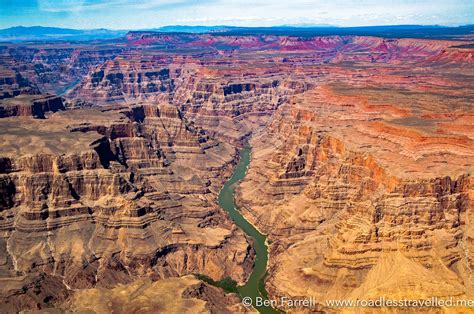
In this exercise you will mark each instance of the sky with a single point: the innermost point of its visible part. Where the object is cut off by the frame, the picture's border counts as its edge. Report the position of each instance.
(132, 14)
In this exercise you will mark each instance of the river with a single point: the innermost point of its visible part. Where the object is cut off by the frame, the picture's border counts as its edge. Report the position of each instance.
(255, 286)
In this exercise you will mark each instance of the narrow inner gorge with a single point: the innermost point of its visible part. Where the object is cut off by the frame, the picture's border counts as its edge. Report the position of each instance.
(255, 285)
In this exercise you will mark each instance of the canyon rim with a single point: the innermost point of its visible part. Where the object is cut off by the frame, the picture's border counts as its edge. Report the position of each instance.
(233, 169)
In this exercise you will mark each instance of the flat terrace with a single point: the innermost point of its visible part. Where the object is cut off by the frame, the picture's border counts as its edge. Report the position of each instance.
(411, 134)
(25, 99)
(24, 135)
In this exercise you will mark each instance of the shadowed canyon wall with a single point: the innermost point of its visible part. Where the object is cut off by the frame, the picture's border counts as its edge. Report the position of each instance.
(361, 172)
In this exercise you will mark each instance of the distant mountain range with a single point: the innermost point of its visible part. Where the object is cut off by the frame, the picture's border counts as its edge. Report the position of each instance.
(39, 33)
(192, 29)
(388, 31)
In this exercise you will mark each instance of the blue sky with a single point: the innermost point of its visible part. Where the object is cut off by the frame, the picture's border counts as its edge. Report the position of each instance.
(130, 14)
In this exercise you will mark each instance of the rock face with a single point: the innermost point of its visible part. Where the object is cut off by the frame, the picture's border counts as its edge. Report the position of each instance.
(133, 76)
(363, 196)
(231, 85)
(232, 111)
(30, 106)
(12, 83)
(52, 67)
(114, 199)
(361, 169)
(212, 94)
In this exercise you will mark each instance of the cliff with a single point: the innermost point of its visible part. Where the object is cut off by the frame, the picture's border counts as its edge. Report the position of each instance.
(95, 198)
(30, 106)
(363, 198)
(360, 175)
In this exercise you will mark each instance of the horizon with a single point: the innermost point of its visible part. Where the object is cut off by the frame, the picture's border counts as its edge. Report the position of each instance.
(236, 26)
(187, 156)
(149, 14)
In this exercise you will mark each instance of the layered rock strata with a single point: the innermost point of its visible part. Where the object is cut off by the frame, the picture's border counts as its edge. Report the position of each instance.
(30, 106)
(12, 83)
(363, 197)
(52, 67)
(96, 198)
(229, 109)
(129, 77)
(361, 170)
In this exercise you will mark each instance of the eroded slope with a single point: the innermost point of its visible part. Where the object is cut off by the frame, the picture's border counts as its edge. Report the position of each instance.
(97, 198)
(365, 192)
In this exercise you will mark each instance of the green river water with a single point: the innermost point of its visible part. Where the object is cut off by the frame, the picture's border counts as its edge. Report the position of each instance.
(255, 286)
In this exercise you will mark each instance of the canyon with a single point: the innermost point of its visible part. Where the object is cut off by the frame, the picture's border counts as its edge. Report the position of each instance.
(114, 152)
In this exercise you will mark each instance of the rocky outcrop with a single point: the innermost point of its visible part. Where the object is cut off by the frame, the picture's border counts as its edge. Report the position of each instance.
(232, 109)
(12, 83)
(30, 106)
(231, 95)
(35, 292)
(55, 69)
(360, 175)
(129, 198)
(130, 77)
(355, 213)
(228, 109)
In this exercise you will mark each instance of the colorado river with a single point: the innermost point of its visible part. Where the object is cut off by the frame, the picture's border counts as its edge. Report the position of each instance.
(255, 286)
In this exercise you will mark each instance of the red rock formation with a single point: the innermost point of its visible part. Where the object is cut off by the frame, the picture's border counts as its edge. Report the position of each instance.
(362, 157)
(349, 192)
(126, 79)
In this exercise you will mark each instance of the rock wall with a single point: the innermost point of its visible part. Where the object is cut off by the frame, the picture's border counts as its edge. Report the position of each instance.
(129, 77)
(55, 69)
(12, 83)
(345, 220)
(139, 202)
(30, 106)
(361, 166)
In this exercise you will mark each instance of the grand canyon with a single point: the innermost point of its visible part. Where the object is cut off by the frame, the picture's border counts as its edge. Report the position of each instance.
(355, 154)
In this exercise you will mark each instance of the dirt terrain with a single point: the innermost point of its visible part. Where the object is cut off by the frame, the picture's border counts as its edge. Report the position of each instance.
(113, 154)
